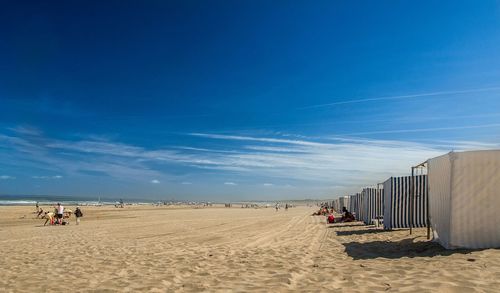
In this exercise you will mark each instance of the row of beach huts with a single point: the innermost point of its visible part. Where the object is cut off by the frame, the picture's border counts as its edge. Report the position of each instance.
(457, 195)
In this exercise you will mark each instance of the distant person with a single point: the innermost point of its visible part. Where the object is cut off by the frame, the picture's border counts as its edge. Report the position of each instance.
(347, 216)
(331, 219)
(37, 206)
(323, 211)
(78, 215)
(286, 207)
(277, 206)
(60, 213)
(67, 213)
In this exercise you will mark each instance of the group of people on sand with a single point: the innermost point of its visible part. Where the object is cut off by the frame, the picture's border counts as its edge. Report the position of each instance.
(346, 217)
(58, 215)
(325, 211)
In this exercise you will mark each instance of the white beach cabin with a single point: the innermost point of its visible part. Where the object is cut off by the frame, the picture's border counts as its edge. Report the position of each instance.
(335, 205)
(356, 205)
(344, 202)
(464, 199)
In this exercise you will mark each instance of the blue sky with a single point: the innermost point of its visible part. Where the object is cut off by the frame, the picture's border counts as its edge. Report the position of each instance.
(231, 100)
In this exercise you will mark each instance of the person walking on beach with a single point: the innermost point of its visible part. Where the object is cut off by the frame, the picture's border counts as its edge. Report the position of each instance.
(40, 212)
(78, 215)
(60, 213)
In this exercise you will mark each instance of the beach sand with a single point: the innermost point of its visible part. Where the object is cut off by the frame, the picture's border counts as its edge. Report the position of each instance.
(159, 249)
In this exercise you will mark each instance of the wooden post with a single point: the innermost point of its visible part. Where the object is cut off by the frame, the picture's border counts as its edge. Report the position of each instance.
(427, 207)
(412, 198)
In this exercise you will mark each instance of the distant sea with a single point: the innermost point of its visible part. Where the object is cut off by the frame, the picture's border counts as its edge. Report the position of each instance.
(43, 200)
(11, 200)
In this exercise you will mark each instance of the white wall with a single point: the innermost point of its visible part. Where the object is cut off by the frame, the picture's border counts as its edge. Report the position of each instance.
(464, 194)
(439, 176)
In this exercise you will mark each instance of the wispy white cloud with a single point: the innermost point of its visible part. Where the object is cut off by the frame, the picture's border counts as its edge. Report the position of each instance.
(186, 183)
(400, 97)
(6, 177)
(27, 130)
(47, 177)
(338, 164)
(274, 149)
(431, 129)
(349, 163)
(98, 147)
(155, 181)
(203, 150)
(113, 159)
(259, 139)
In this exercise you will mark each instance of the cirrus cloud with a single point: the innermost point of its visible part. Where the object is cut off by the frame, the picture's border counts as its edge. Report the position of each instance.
(335, 164)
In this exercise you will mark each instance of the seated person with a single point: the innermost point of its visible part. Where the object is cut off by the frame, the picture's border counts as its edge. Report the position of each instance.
(324, 212)
(331, 219)
(67, 214)
(347, 216)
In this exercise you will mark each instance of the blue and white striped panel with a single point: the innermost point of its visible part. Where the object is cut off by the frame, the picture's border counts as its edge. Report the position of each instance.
(398, 202)
(361, 210)
(388, 204)
(354, 205)
(352, 202)
(373, 204)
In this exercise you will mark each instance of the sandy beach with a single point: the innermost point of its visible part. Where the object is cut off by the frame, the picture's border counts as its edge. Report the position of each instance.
(159, 249)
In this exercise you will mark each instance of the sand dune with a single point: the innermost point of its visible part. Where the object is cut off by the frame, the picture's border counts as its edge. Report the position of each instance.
(160, 249)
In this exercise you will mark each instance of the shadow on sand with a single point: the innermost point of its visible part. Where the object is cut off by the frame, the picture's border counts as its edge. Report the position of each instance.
(360, 232)
(351, 224)
(399, 249)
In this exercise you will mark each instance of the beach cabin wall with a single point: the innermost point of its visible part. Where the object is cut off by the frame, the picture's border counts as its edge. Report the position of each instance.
(335, 204)
(464, 199)
(373, 204)
(361, 208)
(353, 204)
(343, 202)
(397, 202)
(356, 205)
